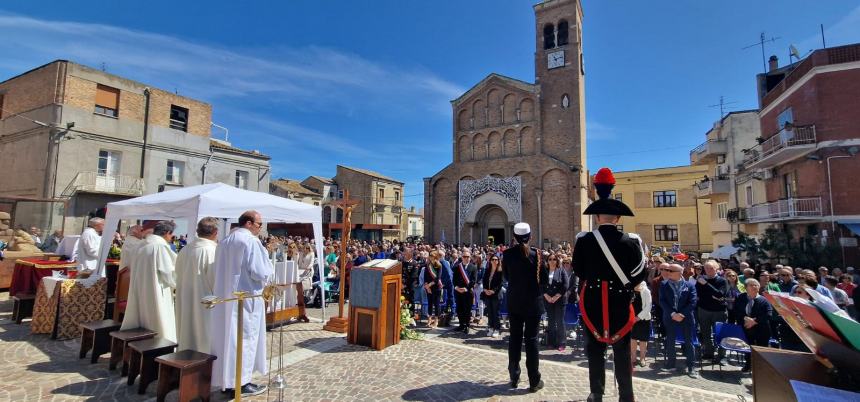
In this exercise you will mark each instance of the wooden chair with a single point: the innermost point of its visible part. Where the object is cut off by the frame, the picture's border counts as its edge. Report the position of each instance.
(142, 360)
(22, 306)
(188, 370)
(96, 336)
(123, 280)
(119, 350)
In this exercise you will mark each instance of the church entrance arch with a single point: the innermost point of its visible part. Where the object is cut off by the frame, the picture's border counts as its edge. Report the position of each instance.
(489, 207)
(492, 225)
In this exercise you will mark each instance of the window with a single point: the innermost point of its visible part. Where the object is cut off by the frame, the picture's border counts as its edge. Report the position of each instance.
(548, 36)
(339, 194)
(666, 232)
(562, 33)
(663, 199)
(749, 196)
(178, 118)
(242, 179)
(107, 101)
(396, 196)
(381, 197)
(316, 203)
(722, 210)
(379, 219)
(786, 116)
(109, 162)
(339, 216)
(618, 197)
(174, 172)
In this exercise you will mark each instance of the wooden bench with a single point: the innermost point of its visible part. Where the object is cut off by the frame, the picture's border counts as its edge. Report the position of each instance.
(119, 350)
(142, 360)
(22, 307)
(123, 281)
(187, 370)
(95, 335)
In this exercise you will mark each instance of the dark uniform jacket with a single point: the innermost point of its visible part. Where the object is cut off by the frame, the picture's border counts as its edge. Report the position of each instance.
(494, 284)
(602, 293)
(470, 271)
(526, 281)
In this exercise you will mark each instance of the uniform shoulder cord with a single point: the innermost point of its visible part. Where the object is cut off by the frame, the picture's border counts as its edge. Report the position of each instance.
(538, 253)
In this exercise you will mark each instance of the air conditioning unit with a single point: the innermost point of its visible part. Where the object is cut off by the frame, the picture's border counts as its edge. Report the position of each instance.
(721, 159)
(722, 170)
(767, 174)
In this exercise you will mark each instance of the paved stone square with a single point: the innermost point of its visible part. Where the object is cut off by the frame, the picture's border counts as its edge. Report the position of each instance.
(320, 366)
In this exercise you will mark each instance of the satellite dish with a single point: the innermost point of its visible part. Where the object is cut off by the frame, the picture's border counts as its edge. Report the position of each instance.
(794, 52)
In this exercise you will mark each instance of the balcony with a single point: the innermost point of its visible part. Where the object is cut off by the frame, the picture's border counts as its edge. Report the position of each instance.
(786, 210)
(707, 188)
(736, 215)
(94, 182)
(708, 151)
(783, 147)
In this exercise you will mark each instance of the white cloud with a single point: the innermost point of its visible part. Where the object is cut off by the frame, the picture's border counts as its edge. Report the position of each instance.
(597, 131)
(843, 32)
(309, 78)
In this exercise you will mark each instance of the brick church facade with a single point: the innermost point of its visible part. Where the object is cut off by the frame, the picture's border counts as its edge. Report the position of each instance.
(519, 148)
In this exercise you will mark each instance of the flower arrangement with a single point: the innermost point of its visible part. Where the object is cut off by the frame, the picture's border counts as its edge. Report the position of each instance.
(407, 321)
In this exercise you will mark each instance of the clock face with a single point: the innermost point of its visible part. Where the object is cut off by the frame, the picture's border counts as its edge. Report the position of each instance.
(555, 59)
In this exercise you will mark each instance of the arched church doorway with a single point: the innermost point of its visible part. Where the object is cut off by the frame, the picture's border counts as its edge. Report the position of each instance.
(492, 224)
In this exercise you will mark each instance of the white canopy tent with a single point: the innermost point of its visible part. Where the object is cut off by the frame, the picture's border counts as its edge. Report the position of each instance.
(217, 200)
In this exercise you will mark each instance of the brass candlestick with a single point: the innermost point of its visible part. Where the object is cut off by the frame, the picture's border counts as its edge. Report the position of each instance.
(240, 297)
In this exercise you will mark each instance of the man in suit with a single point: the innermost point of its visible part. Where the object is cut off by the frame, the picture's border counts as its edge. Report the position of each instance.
(754, 312)
(678, 301)
(609, 264)
(527, 279)
(464, 281)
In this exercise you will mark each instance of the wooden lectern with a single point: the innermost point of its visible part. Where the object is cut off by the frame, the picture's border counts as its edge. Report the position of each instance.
(374, 305)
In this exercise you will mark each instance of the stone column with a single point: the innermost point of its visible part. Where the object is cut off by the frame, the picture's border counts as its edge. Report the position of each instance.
(539, 194)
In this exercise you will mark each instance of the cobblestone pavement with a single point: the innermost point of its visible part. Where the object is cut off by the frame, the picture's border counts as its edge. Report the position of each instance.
(321, 366)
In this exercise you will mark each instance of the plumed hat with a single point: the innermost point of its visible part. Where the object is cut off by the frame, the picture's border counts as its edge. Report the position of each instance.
(522, 232)
(604, 181)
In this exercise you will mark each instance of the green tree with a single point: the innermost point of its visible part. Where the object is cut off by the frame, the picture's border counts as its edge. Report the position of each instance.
(805, 251)
(750, 246)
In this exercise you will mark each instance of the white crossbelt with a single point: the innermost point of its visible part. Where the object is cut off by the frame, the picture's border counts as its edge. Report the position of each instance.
(610, 258)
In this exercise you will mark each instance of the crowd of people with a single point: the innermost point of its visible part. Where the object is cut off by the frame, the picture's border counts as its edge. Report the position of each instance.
(444, 281)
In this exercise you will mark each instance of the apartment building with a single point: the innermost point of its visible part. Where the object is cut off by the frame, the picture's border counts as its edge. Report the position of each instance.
(87, 137)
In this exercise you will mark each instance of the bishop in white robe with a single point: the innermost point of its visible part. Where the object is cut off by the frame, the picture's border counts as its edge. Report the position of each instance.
(195, 278)
(241, 264)
(150, 292)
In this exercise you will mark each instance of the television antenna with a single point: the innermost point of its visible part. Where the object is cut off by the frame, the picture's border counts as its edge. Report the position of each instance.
(761, 43)
(722, 105)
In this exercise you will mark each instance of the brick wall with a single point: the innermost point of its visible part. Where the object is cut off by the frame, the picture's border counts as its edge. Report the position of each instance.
(32, 90)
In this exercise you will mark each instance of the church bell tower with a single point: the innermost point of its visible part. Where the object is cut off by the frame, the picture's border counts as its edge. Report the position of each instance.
(560, 81)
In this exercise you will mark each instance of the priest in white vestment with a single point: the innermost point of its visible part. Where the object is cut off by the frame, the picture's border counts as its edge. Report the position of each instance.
(150, 291)
(241, 264)
(195, 279)
(88, 245)
(134, 238)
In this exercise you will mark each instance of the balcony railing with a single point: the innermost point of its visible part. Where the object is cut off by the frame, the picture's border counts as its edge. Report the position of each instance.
(784, 210)
(736, 215)
(708, 150)
(95, 182)
(706, 188)
(784, 146)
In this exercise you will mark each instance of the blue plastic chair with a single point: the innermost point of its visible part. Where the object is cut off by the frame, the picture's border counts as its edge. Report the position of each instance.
(679, 340)
(571, 314)
(724, 330)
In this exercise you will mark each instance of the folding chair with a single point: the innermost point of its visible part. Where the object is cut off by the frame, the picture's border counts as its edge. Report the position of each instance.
(725, 330)
(571, 320)
(679, 340)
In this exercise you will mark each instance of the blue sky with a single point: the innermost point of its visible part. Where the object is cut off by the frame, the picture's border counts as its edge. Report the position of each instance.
(368, 83)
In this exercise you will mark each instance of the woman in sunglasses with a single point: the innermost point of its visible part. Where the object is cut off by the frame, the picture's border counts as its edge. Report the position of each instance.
(555, 300)
(492, 284)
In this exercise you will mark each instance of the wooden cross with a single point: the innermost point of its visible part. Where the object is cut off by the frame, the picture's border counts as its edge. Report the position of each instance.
(339, 323)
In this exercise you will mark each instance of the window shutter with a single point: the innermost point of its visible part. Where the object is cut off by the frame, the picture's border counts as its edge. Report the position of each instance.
(107, 97)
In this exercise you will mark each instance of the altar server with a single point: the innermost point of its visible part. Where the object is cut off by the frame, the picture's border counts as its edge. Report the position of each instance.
(241, 264)
(150, 291)
(195, 278)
